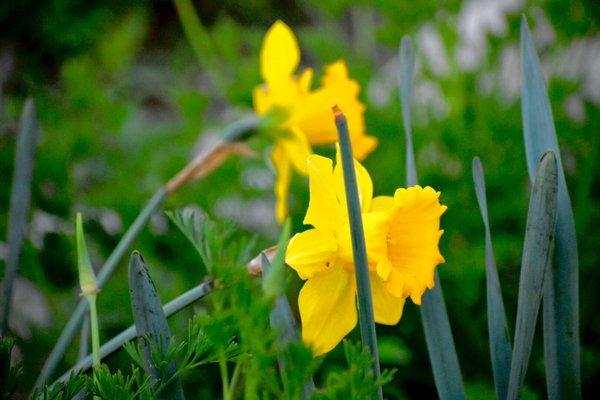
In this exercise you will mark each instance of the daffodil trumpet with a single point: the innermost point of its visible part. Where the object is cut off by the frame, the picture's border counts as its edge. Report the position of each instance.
(401, 240)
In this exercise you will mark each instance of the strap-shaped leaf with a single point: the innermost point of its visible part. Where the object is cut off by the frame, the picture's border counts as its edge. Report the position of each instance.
(500, 348)
(561, 303)
(366, 318)
(151, 325)
(539, 233)
(20, 197)
(438, 334)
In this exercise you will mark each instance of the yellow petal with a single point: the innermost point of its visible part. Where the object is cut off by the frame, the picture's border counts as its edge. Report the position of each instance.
(305, 80)
(387, 308)
(297, 149)
(324, 210)
(282, 181)
(375, 228)
(382, 203)
(413, 241)
(363, 179)
(327, 306)
(311, 252)
(314, 116)
(280, 55)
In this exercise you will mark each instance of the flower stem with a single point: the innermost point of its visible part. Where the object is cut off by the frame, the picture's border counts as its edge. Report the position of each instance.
(363, 284)
(94, 329)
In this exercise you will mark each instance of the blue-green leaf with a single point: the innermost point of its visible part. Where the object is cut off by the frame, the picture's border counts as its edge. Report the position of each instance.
(20, 197)
(438, 334)
(500, 348)
(359, 250)
(151, 325)
(537, 252)
(561, 303)
(405, 82)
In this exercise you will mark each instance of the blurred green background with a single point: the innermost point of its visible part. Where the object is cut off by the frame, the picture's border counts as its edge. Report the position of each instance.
(123, 103)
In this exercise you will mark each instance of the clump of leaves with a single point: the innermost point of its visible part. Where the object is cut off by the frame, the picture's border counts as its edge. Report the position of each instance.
(121, 387)
(358, 381)
(77, 384)
(9, 374)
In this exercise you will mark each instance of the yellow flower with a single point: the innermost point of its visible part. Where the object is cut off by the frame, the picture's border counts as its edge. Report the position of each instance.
(307, 112)
(401, 233)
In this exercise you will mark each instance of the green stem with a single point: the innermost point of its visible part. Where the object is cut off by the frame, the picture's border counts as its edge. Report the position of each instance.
(234, 379)
(363, 285)
(95, 332)
(224, 376)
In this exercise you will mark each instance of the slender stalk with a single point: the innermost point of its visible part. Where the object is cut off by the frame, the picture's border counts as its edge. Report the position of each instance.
(130, 333)
(363, 285)
(95, 332)
(20, 199)
(234, 379)
(224, 377)
(84, 338)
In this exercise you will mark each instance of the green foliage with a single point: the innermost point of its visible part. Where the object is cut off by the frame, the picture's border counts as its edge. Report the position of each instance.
(561, 297)
(77, 384)
(10, 375)
(500, 347)
(537, 256)
(358, 381)
(152, 329)
(117, 386)
(122, 101)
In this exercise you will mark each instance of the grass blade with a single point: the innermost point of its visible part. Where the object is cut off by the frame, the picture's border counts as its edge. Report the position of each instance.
(539, 233)
(363, 285)
(561, 338)
(20, 199)
(151, 325)
(500, 348)
(438, 334)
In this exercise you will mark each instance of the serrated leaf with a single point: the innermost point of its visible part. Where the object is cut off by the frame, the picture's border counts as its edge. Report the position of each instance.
(438, 335)
(500, 348)
(561, 303)
(537, 246)
(151, 324)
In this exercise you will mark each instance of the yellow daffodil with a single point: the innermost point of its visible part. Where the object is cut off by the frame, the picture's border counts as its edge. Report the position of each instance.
(401, 233)
(307, 112)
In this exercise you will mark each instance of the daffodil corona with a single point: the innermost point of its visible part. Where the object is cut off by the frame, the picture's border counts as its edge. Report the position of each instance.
(401, 233)
(307, 113)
